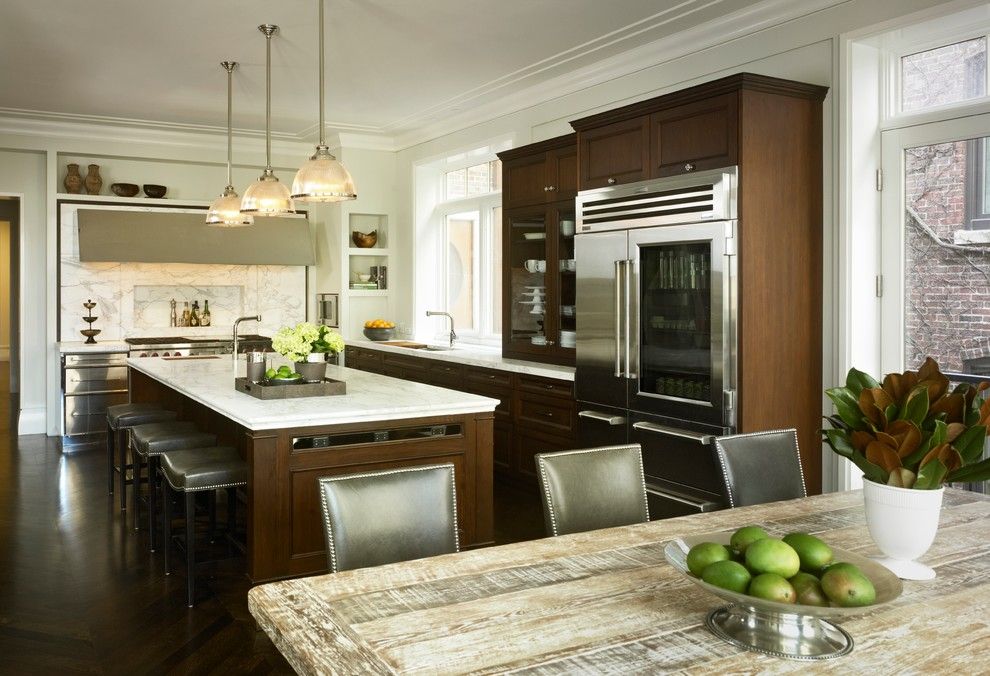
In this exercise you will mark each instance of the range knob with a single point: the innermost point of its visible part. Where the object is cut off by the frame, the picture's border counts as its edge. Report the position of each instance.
(154, 354)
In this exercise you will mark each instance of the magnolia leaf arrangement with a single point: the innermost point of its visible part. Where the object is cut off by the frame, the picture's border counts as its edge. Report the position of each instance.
(911, 431)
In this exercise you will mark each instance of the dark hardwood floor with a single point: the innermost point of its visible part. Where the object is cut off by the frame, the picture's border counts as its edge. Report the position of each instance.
(80, 593)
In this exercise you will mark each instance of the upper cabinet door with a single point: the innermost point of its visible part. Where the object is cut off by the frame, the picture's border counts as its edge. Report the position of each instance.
(525, 181)
(614, 153)
(696, 136)
(562, 165)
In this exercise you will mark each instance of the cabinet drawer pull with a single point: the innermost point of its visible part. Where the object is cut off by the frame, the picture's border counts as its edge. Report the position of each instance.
(551, 188)
(491, 377)
(689, 167)
(547, 414)
(611, 181)
(674, 432)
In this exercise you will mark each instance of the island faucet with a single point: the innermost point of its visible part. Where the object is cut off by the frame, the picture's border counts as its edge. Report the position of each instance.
(453, 336)
(256, 318)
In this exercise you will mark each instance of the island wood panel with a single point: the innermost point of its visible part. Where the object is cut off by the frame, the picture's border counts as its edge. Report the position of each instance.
(283, 523)
(606, 601)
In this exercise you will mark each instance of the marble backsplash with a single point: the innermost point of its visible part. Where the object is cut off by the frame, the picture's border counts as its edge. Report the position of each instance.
(132, 299)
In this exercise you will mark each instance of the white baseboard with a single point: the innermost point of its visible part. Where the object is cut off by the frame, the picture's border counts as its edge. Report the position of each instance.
(31, 420)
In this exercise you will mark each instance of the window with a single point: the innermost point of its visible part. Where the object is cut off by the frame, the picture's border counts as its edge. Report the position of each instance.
(947, 74)
(977, 185)
(477, 179)
(465, 232)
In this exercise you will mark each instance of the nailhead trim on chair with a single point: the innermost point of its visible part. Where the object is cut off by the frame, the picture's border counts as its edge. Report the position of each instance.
(204, 488)
(403, 470)
(597, 449)
(720, 454)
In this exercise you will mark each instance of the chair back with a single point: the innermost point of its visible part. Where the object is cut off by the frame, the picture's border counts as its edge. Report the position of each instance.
(374, 518)
(761, 467)
(592, 488)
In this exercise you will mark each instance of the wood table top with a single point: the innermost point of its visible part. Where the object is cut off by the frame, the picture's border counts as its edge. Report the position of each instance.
(607, 601)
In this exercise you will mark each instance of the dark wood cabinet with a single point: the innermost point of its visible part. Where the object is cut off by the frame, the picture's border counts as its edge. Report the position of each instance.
(614, 153)
(540, 173)
(695, 137)
(538, 268)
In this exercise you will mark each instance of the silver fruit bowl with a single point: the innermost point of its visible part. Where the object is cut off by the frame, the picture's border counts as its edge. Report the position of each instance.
(790, 630)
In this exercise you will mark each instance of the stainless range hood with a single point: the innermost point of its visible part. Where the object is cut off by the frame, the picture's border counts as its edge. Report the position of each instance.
(173, 236)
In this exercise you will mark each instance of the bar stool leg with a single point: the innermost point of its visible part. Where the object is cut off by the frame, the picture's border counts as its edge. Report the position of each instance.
(190, 548)
(136, 474)
(213, 516)
(121, 450)
(167, 546)
(110, 458)
(152, 500)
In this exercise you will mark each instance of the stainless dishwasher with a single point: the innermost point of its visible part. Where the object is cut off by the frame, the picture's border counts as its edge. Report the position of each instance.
(90, 383)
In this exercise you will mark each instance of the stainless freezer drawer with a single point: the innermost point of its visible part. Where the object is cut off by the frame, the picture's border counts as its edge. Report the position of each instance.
(87, 413)
(667, 501)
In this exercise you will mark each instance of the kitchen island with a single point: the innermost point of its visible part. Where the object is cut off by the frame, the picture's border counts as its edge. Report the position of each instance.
(288, 443)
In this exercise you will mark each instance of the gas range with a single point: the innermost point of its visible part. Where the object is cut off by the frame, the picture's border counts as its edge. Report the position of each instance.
(173, 346)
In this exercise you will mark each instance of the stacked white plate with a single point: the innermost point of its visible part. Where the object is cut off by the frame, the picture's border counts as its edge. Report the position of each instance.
(568, 338)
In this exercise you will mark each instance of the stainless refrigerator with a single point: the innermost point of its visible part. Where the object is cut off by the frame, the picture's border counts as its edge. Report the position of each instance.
(656, 329)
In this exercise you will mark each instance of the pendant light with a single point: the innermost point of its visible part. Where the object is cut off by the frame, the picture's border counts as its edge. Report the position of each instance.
(266, 196)
(225, 212)
(323, 178)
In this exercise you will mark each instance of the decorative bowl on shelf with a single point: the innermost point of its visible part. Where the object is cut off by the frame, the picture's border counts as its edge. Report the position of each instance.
(364, 276)
(789, 630)
(379, 334)
(153, 190)
(364, 240)
(124, 189)
(90, 335)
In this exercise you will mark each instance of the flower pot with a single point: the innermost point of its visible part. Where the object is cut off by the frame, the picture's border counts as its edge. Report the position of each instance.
(314, 369)
(902, 523)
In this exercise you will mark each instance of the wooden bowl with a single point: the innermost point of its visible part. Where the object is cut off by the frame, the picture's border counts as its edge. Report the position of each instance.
(125, 189)
(153, 190)
(365, 241)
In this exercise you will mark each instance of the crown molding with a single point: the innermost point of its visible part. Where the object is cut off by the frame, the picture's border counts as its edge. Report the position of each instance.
(426, 127)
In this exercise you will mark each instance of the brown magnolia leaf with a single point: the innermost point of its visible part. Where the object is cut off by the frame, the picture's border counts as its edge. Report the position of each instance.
(901, 477)
(887, 440)
(860, 440)
(872, 403)
(929, 369)
(954, 430)
(974, 390)
(954, 407)
(884, 456)
(899, 385)
(906, 435)
(985, 413)
(949, 456)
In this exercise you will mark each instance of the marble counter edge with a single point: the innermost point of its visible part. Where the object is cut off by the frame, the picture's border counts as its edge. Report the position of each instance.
(478, 404)
(479, 357)
(80, 347)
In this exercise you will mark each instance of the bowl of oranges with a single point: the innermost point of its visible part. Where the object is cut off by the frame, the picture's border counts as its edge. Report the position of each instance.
(379, 329)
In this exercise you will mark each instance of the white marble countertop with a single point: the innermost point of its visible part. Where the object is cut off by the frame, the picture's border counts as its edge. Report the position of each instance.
(369, 397)
(476, 356)
(79, 346)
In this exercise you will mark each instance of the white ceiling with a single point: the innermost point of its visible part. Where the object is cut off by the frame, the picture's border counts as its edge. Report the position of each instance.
(392, 65)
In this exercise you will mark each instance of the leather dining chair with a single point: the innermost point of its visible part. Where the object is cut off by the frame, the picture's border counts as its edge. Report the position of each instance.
(374, 518)
(591, 488)
(761, 467)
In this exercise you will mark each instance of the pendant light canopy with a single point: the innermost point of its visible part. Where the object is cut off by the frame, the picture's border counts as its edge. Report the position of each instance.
(266, 196)
(323, 178)
(225, 212)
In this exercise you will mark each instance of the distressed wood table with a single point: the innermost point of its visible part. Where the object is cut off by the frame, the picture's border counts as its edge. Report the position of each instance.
(607, 601)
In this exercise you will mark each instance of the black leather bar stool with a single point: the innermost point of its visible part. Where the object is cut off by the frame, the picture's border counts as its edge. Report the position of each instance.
(120, 418)
(192, 471)
(150, 441)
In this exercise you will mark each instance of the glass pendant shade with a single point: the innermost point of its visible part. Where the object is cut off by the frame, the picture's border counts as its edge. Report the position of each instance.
(323, 179)
(267, 197)
(225, 212)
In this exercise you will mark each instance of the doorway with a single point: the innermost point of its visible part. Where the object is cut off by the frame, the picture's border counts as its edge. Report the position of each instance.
(10, 226)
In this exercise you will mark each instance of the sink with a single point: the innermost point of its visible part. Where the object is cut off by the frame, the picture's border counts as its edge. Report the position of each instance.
(436, 348)
(417, 346)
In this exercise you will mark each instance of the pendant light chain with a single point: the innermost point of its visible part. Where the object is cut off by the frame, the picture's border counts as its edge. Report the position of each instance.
(268, 99)
(322, 85)
(229, 67)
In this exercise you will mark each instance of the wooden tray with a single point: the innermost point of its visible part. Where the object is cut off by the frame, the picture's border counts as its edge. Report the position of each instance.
(327, 388)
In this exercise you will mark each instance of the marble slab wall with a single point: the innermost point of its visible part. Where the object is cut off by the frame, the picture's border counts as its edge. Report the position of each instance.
(132, 299)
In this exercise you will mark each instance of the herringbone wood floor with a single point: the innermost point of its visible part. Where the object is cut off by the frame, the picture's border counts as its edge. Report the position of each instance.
(80, 593)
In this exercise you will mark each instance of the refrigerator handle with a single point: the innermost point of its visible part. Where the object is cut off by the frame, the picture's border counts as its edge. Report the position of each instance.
(627, 281)
(612, 420)
(674, 432)
(618, 319)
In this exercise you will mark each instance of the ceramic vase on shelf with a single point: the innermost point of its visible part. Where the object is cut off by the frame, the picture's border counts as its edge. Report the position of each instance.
(73, 181)
(314, 369)
(93, 180)
(902, 523)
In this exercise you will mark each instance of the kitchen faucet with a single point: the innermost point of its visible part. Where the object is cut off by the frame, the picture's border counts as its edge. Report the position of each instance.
(256, 318)
(453, 336)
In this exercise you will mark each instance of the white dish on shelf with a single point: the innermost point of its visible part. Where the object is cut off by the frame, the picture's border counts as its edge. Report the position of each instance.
(534, 301)
(567, 310)
(534, 235)
(541, 286)
(538, 340)
(537, 310)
